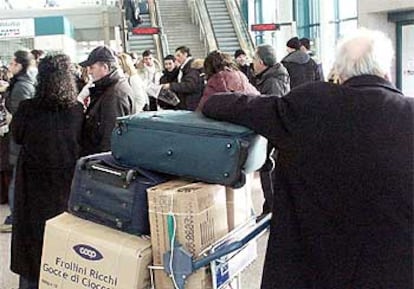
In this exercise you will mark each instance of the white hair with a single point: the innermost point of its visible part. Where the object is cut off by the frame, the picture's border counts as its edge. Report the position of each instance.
(364, 52)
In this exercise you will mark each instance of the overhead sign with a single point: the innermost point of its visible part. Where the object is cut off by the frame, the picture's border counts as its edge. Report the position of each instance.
(17, 28)
(265, 27)
(146, 30)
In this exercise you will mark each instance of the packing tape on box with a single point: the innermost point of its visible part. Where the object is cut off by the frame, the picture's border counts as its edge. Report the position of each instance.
(169, 212)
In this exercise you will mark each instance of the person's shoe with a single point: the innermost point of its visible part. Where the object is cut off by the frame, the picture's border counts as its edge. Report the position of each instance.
(6, 228)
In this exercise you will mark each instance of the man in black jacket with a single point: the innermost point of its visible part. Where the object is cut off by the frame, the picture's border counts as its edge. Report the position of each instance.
(301, 67)
(22, 87)
(343, 203)
(188, 86)
(169, 75)
(111, 97)
(271, 77)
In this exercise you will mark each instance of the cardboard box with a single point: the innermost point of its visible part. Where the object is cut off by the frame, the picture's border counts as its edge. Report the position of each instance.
(200, 216)
(81, 254)
(239, 203)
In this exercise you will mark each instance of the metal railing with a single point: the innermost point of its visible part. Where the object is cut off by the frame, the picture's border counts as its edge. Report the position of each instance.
(201, 17)
(240, 26)
(163, 38)
(160, 40)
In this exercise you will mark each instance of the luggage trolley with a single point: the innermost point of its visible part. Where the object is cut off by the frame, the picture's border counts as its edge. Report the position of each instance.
(227, 258)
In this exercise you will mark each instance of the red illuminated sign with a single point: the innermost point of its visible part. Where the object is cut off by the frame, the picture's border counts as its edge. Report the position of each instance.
(265, 27)
(145, 30)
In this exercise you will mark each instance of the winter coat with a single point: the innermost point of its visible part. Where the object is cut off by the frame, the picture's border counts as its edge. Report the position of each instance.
(111, 97)
(22, 86)
(4, 141)
(140, 96)
(168, 77)
(319, 69)
(132, 12)
(247, 69)
(50, 146)
(227, 81)
(273, 81)
(301, 67)
(343, 202)
(189, 88)
(149, 74)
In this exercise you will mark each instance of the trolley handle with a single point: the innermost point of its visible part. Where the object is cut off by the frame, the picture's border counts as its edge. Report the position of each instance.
(227, 249)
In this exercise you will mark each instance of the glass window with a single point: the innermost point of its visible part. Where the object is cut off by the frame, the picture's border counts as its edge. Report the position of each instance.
(347, 9)
(346, 13)
(307, 17)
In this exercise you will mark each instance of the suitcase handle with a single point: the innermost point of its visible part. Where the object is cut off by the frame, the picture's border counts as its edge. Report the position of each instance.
(128, 176)
(119, 223)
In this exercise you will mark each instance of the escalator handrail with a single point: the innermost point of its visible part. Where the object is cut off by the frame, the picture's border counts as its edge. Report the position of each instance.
(161, 43)
(214, 44)
(240, 26)
(205, 26)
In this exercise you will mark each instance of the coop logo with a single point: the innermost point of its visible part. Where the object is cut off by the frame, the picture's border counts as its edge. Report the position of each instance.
(87, 252)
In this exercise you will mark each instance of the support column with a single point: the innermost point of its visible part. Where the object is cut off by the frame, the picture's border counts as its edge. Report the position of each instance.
(258, 9)
(105, 26)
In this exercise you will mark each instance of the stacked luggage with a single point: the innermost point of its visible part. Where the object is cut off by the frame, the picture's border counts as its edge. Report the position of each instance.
(173, 175)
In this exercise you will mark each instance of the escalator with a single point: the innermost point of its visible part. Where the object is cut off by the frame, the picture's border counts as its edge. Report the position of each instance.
(222, 25)
(146, 35)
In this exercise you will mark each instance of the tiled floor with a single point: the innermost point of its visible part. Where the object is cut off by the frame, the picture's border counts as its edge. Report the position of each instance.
(250, 278)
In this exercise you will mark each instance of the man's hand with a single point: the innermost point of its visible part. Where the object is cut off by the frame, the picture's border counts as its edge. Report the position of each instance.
(166, 86)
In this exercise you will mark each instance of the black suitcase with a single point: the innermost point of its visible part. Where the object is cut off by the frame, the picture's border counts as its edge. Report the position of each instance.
(107, 193)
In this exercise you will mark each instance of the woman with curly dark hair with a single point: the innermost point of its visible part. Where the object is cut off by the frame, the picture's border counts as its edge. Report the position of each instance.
(48, 127)
(224, 76)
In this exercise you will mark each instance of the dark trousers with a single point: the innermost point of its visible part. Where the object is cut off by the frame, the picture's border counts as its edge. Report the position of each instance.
(267, 186)
(25, 283)
(266, 179)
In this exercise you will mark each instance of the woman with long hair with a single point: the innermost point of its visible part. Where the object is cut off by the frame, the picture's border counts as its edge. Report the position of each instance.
(134, 80)
(48, 128)
(224, 76)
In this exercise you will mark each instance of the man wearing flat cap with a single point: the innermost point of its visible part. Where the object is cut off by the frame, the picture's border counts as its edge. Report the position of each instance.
(110, 97)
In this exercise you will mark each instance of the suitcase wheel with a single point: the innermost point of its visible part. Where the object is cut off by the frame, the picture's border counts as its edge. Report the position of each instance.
(241, 182)
(120, 127)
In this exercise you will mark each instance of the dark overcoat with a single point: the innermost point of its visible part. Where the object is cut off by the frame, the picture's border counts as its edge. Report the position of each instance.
(50, 146)
(111, 97)
(343, 203)
(189, 89)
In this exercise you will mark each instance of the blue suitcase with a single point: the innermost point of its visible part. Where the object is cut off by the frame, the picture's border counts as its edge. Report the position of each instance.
(187, 144)
(113, 195)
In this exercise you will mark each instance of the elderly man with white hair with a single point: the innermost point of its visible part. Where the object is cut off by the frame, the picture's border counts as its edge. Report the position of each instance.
(344, 180)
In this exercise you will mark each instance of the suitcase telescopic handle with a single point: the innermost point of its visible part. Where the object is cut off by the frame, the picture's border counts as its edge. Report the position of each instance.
(128, 176)
(105, 170)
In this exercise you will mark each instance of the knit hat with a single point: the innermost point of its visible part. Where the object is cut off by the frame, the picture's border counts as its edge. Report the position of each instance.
(293, 43)
(305, 42)
(239, 52)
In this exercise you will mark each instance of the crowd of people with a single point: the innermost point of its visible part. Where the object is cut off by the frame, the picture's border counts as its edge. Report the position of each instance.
(339, 173)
